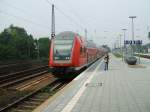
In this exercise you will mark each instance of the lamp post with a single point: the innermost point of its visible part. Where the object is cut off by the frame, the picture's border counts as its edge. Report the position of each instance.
(132, 17)
(121, 51)
(139, 46)
(125, 50)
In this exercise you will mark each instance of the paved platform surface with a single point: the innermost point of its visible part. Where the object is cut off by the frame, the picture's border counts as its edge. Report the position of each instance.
(122, 88)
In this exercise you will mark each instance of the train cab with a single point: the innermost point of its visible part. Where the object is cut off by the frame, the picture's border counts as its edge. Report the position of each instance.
(62, 50)
(67, 53)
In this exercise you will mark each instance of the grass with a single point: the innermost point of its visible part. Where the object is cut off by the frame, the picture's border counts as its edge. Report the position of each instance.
(143, 56)
(117, 55)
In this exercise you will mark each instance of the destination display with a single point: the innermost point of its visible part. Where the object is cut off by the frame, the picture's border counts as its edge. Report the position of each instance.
(133, 42)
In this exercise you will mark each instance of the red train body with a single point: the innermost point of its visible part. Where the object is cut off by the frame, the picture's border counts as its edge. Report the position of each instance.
(69, 52)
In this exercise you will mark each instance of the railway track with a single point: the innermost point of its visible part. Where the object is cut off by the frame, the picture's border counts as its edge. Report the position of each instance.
(15, 78)
(19, 66)
(30, 101)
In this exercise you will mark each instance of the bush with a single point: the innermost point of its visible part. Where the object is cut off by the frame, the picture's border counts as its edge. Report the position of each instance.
(117, 55)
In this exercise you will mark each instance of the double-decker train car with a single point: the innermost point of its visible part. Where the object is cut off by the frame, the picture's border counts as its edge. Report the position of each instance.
(69, 53)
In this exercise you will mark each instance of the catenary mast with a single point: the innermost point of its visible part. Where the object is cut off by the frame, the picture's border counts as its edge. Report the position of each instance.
(53, 23)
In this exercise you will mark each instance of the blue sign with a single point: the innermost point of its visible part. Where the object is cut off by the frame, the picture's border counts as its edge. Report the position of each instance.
(133, 42)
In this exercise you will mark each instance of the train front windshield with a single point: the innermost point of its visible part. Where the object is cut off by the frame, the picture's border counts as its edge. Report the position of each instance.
(62, 49)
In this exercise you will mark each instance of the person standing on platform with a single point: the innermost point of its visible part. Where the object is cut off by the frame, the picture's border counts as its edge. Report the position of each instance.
(106, 60)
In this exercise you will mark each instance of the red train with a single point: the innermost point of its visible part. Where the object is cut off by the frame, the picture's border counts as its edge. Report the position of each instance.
(69, 52)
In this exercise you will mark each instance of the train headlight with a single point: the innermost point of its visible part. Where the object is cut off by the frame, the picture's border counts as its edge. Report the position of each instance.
(56, 58)
(67, 58)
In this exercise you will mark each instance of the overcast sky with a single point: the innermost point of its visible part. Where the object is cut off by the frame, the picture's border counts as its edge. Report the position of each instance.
(103, 19)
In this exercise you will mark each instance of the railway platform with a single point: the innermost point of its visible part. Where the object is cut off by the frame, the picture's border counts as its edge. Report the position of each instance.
(122, 88)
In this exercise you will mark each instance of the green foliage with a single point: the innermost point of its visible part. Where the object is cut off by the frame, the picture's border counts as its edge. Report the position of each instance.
(15, 43)
(7, 52)
(44, 47)
(117, 55)
(106, 47)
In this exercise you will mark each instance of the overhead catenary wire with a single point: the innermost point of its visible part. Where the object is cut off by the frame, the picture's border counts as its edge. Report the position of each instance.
(65, 15)
(16, 8)
(24, 19)
(69, 18)
(41, 26)
(37, 24)
(83, 22)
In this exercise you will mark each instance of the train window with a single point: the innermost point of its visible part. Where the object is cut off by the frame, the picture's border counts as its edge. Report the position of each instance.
(65, 35)
(63, 42)
(84, 49)
(80, 49)
(62, 49)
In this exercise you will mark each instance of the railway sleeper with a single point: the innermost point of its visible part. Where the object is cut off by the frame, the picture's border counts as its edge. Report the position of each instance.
(20, 110)
(43, 96)
(37, 99)
(32, 103)
(25, 108)
(28, 107)
(40, 97)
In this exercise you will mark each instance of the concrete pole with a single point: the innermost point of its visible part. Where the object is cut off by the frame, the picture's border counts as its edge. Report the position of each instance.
(132, 17)
(125, 50)
(53, 22)
(121, 46)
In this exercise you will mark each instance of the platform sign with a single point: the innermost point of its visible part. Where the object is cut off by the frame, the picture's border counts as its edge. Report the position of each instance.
(131, 42)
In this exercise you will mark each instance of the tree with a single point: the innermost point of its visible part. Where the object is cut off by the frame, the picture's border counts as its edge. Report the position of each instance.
(44, 47)
(15, 43)
(7, 45)
(106, 47)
